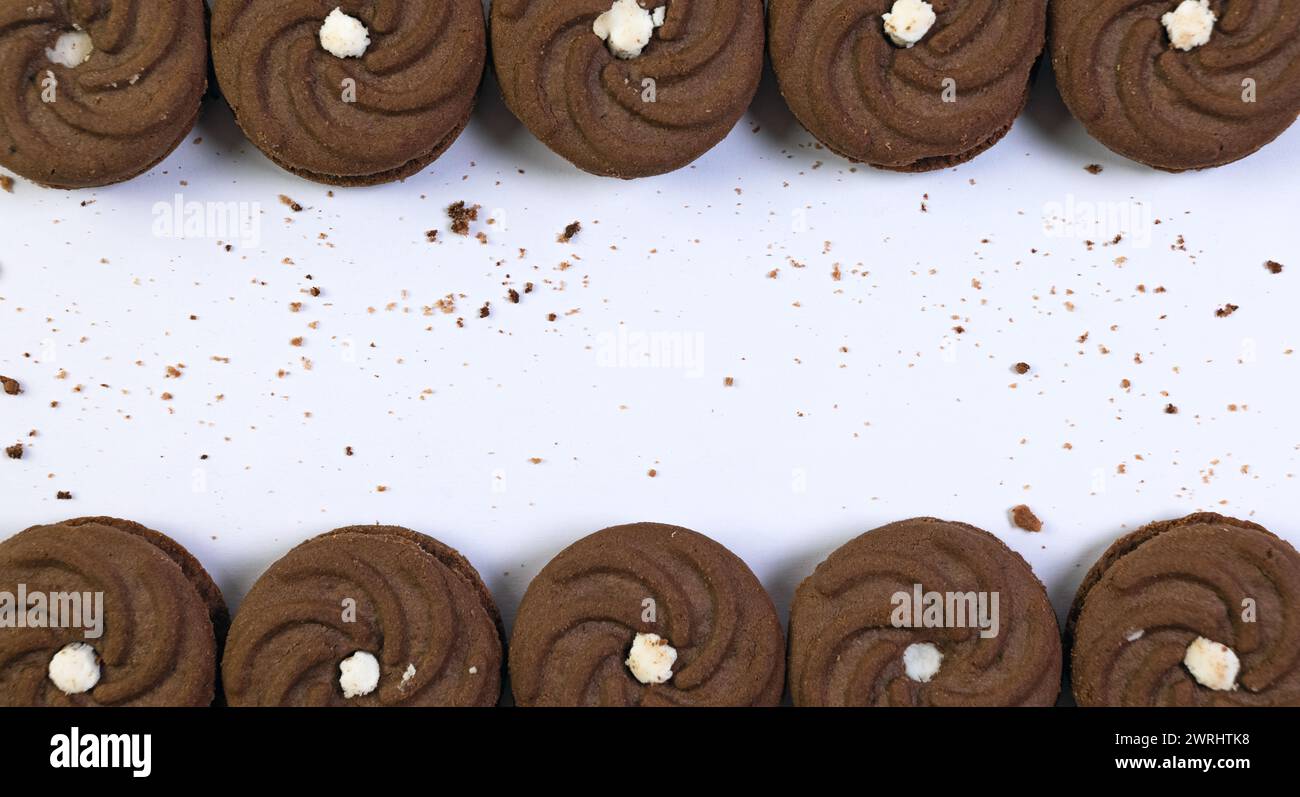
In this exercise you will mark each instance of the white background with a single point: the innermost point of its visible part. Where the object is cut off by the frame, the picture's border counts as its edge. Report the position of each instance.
(812, 446)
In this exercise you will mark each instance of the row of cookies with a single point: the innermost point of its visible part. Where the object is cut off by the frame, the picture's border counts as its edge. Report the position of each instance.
(358, 93)
(1204, 610)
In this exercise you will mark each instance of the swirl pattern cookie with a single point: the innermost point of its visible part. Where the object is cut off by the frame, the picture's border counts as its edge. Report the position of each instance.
(366, 616)
(104, 612)
(350, 92)
(684, 73)
(1201, 611)
(924, 612)
(910, 93)
(1179, 86)
(94, 93)
(646, 615)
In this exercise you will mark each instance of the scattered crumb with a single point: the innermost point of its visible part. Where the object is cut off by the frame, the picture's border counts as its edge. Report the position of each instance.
(461, 215)
(289, 203)
(1273, 267)
(6, 183)
(63, 495)
(569, 232)
(1170, 409)
(10, 385)
(1022, 517)
(1094, 168)
(1226, 310)
(15, 451)
(729, 381)
(1021, 368)
(652, 473)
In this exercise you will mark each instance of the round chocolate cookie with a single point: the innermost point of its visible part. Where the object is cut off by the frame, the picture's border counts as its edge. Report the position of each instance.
(646, 615)
(907, 86)
(1201, 611)
(1179, 85)
(628, 88)
(104, 612)
(350, 92)
(94, 93)
(924, 612)
(366, 616)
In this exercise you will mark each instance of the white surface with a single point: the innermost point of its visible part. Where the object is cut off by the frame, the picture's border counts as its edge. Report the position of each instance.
(810, 447)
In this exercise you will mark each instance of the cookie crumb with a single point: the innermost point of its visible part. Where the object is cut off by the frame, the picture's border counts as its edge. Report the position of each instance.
(1226, 310)
(63, 495)
(461, 215)
(569, 232)
(1021, 368)
(347, 451)
(1094, 168)
(1024, 518)
(6, 183)
(10, 385)
(652, 473)
(15, 451)
(1170, 409)
(729, 381)
(1273, 267)
(289, 203)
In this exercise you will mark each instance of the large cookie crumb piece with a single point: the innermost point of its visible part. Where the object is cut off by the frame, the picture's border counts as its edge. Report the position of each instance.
(1024, 518)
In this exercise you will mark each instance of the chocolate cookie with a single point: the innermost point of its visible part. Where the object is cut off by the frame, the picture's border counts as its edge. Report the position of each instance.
(924, 612)
(1201, 611)
(1179, 85)
(94, 93)
(366, 616)
(105, 612)
(646, 615)
(908, 86)
(628, 88)
(349, 92)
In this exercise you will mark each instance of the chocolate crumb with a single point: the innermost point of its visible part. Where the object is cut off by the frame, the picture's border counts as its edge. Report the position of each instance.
(348, 451)
(431, 235)
(1022, 368)
(514, 296)
(461, 215)
(1170, 409)
(652, 473)
(63, 495)
(485, 310)
(1093, 168)
(10, 385)
(1024, 518)
(569, 232)
(15, 451)
(294, 206)
(1273, 267)
(1226, 310)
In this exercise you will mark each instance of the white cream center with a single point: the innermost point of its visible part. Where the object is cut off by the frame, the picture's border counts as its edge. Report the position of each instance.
(71, 49)
(1191, 24)
(358, 674)
(75, 668)
(651, 659)
(1213, 664)
(908, 21)
(344, 36)
(921, 661)
(627, 27)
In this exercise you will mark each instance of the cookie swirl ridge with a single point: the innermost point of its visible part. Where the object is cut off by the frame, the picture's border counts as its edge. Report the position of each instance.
(157, 645)
(1161, 587)
(1172, 109)
(847, 645)
(581, 614)
(413, 604)
(354, 121)
(117, 114)
(936, 104)
(628, 118)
